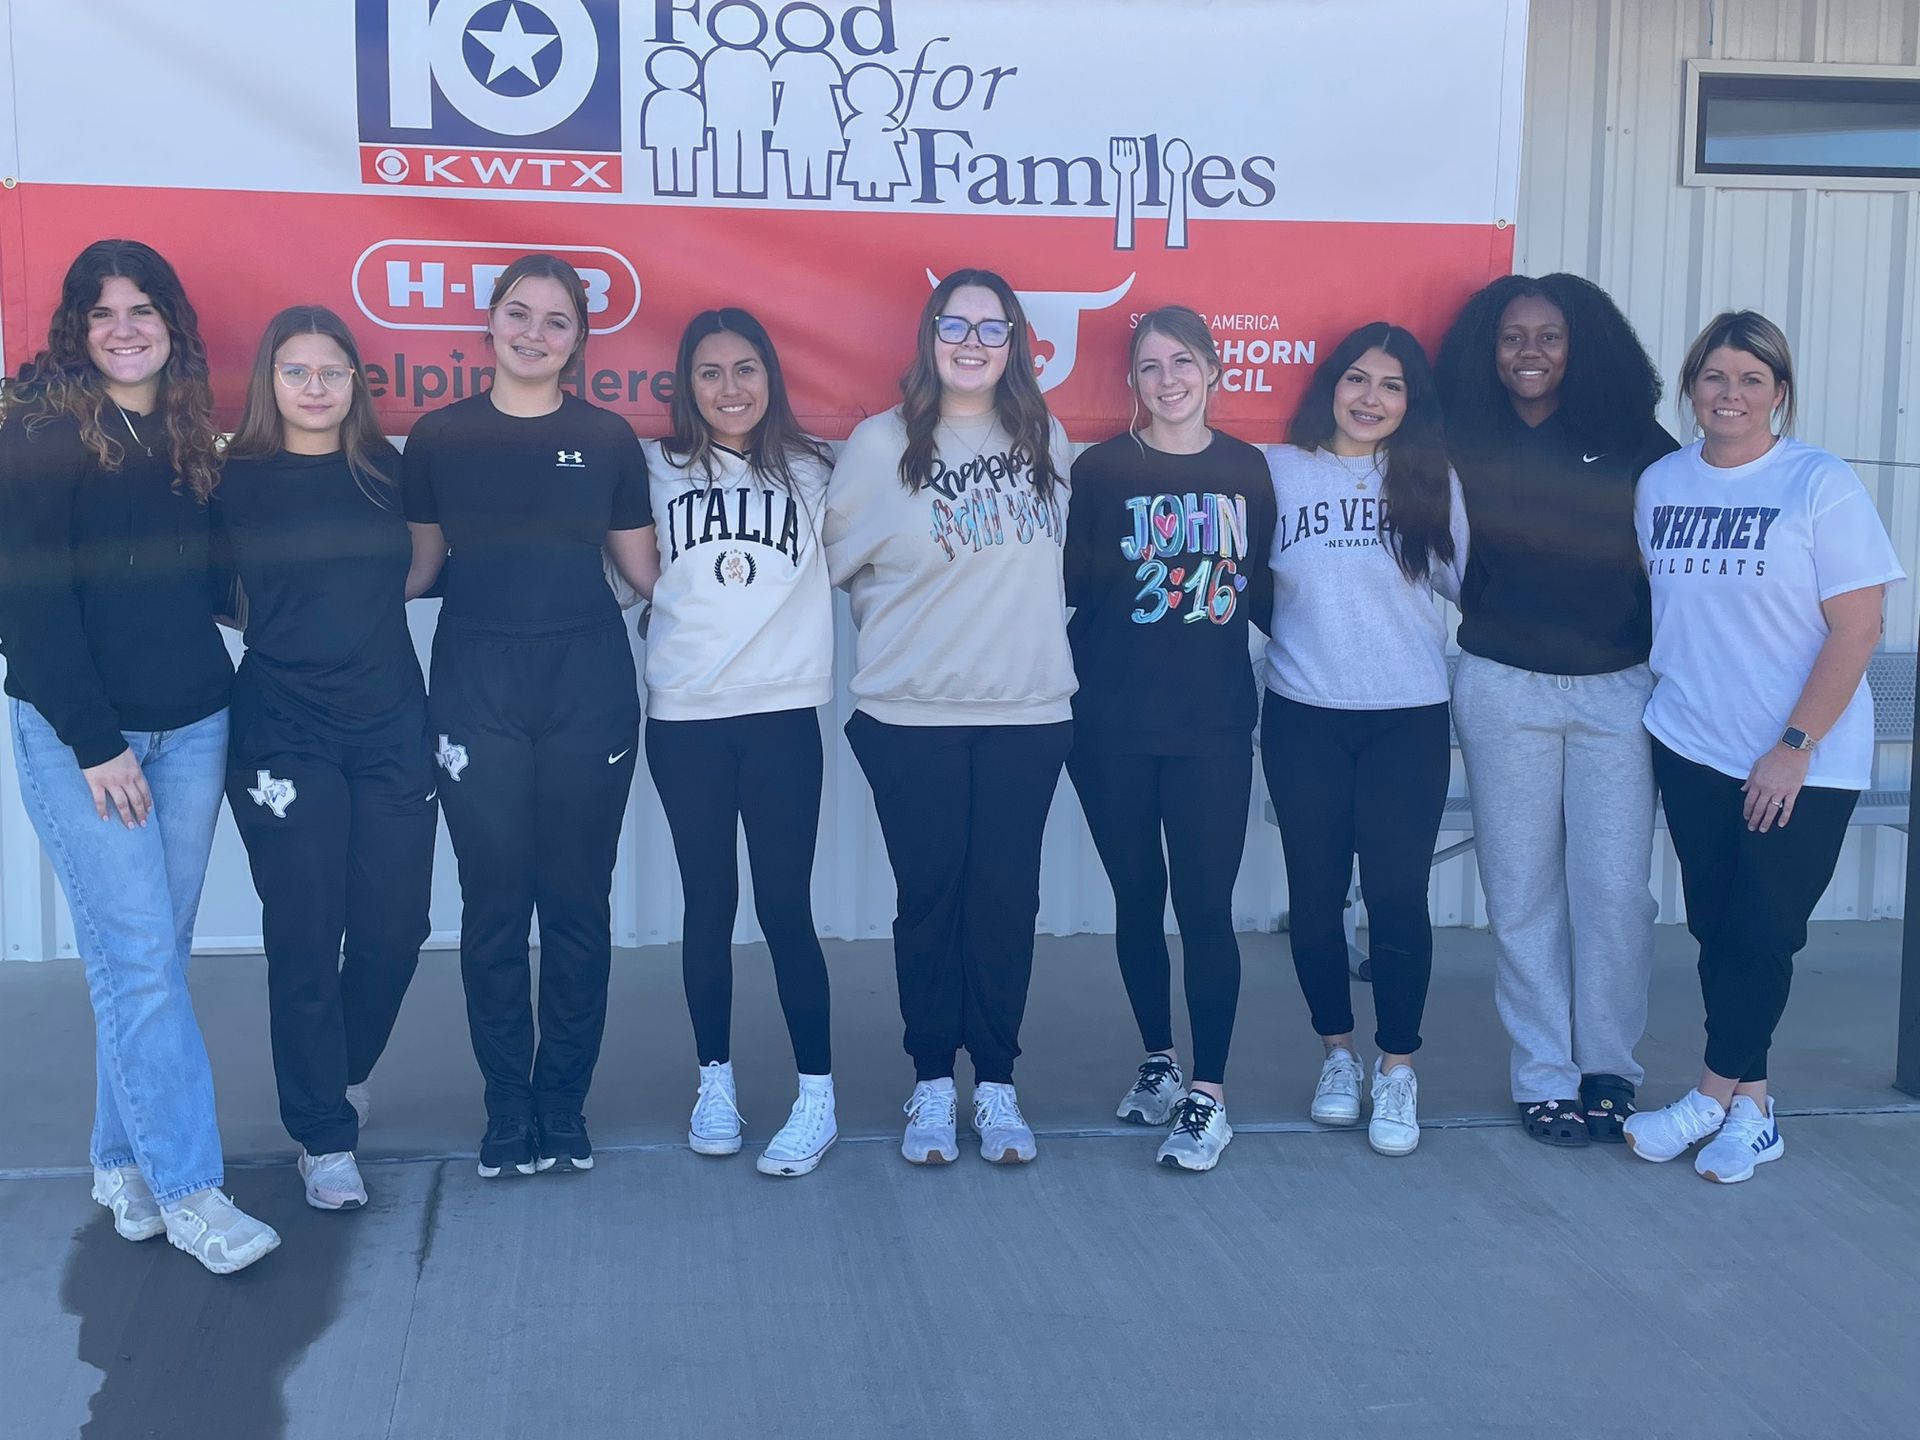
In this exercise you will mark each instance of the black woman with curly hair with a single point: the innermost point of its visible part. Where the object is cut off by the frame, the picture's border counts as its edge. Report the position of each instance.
(1550, 402)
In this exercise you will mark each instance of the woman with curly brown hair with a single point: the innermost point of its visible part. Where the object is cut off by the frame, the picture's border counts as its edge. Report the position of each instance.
(119, 685)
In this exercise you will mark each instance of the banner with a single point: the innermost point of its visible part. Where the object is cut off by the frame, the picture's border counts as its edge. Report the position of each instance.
(1289, 168)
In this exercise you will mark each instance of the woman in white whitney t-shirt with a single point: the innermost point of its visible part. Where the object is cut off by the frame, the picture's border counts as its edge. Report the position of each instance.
(739, 654)
(1768, 565)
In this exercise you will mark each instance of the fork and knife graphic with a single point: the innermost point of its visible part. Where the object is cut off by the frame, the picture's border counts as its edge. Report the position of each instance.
(1125, 158)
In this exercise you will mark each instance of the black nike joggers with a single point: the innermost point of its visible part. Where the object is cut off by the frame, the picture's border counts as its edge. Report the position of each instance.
(536, 741)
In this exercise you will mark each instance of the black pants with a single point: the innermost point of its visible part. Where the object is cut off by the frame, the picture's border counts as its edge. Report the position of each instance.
(1748, 899)
(340, 840)
(536, 743)
(1371, 783)
(713, 776)
(962, 808)
(1199, 802)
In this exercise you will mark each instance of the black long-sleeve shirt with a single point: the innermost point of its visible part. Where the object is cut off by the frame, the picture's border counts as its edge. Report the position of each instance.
(1166, 563)
(1554, 581)
(106, 618)
(324, 566)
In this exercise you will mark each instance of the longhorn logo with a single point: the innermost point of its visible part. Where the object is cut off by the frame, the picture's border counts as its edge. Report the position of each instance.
(1054, 316)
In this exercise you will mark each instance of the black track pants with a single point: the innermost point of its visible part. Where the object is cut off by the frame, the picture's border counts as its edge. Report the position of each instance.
(340, 840)
(962, 808)
(536, 741)
(763, 771)
(1199, 803)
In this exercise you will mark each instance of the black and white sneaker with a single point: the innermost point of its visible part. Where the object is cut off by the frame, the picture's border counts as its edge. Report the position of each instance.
(1156, 1090)
(509, 1144)
(564, 1143)
(1200, 1134)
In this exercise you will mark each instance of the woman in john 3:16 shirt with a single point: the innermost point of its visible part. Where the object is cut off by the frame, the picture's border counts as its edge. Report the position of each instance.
(1166, 562)
(330, 771)
(533, 700)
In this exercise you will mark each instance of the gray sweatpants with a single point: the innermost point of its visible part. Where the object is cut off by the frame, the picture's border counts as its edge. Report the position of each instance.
(1560, 772)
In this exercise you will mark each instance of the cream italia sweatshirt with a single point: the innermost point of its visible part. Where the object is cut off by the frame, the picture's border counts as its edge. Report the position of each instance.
(956, 588)
(742, 617)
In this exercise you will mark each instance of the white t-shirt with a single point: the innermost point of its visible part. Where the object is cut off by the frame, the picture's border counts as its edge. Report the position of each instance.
(1739, 560)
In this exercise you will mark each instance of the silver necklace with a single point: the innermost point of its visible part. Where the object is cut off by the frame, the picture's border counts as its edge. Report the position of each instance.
(978, 450)
(124, 420)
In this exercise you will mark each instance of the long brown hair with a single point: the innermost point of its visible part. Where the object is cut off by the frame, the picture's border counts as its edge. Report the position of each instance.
(1183, 326)
(778, 441)
(262, 432)
(545, 267)
(1017, 400)
(63, 381)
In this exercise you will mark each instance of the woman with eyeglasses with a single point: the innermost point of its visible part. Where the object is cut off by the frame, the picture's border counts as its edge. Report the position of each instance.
(533, 699)
(945, 520)
(739, 655)
(119, 683)
(330, 771)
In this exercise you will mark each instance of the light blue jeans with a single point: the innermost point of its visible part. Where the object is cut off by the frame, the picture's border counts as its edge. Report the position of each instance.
(133, 894)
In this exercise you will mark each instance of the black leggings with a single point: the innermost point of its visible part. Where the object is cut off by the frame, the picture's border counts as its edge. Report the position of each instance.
(1748, 899)
(713, 775)
(963, 809)
(1372, 783)
(1200, 803)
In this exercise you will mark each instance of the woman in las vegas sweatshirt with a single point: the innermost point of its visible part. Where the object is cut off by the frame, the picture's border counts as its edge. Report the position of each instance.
(739, 654)
(945, 520)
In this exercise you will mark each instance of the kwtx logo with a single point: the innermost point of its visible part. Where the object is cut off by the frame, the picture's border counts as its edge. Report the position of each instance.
(1054, 316)
(452, 758)
(273, 793)
(490, 94)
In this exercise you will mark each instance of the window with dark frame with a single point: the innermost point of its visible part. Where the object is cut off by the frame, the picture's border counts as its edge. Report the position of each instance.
(1808, 125)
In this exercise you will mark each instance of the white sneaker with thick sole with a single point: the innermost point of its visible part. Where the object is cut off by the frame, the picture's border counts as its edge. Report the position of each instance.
(1747, 1138)
(931, 1137)
(218, 1233)
(715, 1126)
(1671, 1130)
(333, 1180)
(1005, 1137)
(1200, 1134)
(124, 1191)
(797, 1146)
(1156, 1090)
(1395, 1126)
(361, 1099)
(1336, 1098)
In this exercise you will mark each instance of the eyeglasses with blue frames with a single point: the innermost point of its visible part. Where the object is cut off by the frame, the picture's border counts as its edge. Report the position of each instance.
(954, 330)
(332, 377)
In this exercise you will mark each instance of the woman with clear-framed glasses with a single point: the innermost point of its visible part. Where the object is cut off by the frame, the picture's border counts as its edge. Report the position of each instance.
(330, 771)
(945, 521)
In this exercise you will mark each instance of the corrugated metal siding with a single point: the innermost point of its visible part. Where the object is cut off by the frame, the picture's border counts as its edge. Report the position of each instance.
(1599, 196)
(1840, 270)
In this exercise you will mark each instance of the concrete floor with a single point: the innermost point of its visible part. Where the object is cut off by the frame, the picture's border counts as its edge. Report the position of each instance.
(1485, 1286)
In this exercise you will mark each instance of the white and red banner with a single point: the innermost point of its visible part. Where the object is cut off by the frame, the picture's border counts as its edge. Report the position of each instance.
(1290, 168)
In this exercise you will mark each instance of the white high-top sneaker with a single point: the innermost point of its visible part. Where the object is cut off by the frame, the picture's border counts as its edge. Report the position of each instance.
(797, 1147)
(715, 1126)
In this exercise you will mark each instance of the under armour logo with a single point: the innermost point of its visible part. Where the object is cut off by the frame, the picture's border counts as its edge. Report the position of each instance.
(276, 795)
(452, 758)
(571, 459)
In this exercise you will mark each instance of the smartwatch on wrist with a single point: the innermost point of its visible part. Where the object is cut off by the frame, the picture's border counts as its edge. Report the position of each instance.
(1796, 739)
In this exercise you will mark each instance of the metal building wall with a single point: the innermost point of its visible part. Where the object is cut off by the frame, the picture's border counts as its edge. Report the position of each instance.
(1599, 196)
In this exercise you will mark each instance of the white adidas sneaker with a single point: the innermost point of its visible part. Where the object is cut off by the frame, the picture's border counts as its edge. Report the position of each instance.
(1747, 1138)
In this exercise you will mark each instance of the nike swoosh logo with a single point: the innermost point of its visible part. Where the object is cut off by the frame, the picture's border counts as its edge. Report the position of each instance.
(1586, 459)
(430, 794)
(616, 759)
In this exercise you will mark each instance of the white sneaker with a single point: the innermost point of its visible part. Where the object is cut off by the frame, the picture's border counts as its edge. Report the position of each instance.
(715, 1127)
(1747, 1138)
(124, 1191)
(1156, 1090)
(1663, 1134)
(218, 1233)
(1336, 1098)
(333, 1180)
(798, 1145)
(930, 1137)
(1395, 1127)
(1200, 1134)
(1005, 1138)
(361, 1099)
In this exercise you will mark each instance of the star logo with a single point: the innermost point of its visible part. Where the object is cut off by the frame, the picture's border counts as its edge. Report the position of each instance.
(512, 47)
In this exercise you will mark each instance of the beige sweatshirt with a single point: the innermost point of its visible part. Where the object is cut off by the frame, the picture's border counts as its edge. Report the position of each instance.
(956, 589)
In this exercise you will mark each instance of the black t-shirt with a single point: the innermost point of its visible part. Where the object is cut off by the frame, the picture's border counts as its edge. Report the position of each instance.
(323, 559)
(106, 614)
(526, 503)
(1554, 582)
(1166, 562)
